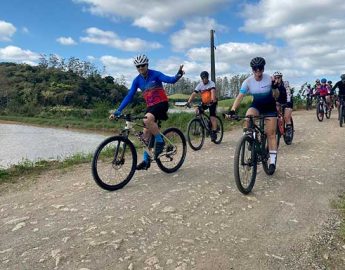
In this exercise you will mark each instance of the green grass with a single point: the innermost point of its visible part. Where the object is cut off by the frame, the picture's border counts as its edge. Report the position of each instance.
(27, 168)
(179, 97)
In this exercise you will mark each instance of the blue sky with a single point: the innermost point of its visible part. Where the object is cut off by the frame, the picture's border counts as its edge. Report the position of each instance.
(303, 39)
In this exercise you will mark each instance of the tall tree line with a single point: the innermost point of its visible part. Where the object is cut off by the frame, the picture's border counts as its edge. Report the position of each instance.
(225, 86)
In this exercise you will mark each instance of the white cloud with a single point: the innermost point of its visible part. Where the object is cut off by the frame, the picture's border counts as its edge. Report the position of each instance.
(313, 33)
(153, 15)
(6, 31)
(66, 41)
(196, 31)
(109, 38)
(118, 67)
(18, 55)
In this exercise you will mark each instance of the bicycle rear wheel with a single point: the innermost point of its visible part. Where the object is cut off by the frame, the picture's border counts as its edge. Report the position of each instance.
(220, 130)
(113, 164)
(319, 112)
(175, 150)
(195, 134)
(245, 164)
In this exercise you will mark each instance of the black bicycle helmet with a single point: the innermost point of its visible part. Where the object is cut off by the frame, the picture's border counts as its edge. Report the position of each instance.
(257, 62)
(329, 82)
(342, 77)
(204, 74)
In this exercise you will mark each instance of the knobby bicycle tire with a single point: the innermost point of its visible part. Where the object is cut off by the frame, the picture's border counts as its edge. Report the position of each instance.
(220, 130)
(195, 134)
(341, 115)
(117, 156)
(265, 157)
(328, 113)
(288, 140)
(319, 112)
(172, 151)
(244, 164)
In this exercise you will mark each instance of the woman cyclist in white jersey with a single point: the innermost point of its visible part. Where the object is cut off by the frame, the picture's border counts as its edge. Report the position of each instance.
(264, 90)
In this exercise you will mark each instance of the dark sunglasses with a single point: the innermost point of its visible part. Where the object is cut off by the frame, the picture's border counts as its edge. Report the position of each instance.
(277, 77)
(139, 66)
(258, 68)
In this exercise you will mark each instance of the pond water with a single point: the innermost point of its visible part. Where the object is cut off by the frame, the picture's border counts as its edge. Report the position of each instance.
(19, 142)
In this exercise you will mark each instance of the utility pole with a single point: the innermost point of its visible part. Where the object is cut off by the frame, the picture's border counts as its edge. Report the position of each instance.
(213, 68)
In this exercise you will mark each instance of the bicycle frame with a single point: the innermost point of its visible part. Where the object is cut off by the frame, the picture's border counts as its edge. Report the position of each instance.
(130, 128)
(258, 134)
(205, 119)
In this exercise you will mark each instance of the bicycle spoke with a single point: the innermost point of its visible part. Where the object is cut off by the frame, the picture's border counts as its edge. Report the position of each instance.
(174, 152)
(114, 163)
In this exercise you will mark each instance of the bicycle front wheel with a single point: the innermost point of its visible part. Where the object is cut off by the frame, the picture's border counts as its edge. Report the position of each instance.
(319, 112)
(174, 152)
(341, 115)
(113, 164)
(265, 157)
(195, 134)
(328, 113)
(245, 164)
(288, 139)
(220, 131)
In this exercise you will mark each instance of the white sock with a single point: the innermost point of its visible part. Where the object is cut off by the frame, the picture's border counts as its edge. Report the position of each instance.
(273, 155)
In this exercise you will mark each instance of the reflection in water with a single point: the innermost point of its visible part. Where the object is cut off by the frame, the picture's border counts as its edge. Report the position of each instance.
(19, 142)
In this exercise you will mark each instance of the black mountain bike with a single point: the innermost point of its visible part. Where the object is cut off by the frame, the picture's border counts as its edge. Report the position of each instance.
(115, 159)
(200, 127)
(251, 150)
(341, 110)
(322, 109)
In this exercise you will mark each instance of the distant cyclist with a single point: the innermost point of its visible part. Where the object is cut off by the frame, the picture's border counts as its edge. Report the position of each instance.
(150, 82)
(264, 90)
(341, 87)
(316, 85)
(207, 89)
(308, 91)
(285, 98)
(331, 92)
(324, 91)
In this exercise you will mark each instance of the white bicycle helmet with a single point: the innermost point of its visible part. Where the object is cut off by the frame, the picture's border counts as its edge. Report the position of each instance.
(141, 59)
(277, 73)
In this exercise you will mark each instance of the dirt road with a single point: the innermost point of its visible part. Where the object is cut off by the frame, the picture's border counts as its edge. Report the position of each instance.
(193, 219)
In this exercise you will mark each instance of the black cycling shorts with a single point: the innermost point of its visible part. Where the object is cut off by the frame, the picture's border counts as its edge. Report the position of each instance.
(289, 105)
(159, 110)
(212, 108)
(268, 109)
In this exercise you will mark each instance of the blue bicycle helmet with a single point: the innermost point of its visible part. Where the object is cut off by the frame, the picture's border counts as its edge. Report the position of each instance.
(323, 80)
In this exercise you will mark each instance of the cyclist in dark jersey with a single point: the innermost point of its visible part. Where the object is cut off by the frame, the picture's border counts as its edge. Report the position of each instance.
(285, 98)
(341, 87)
(150, 82)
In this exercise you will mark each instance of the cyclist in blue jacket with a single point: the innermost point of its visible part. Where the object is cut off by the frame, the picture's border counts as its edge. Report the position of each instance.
(150, 82)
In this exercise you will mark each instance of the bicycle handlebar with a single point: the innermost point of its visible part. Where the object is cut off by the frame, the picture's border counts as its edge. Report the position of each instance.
(238, 117)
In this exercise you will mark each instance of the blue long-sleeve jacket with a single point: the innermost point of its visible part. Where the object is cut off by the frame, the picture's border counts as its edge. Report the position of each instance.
(151, 86)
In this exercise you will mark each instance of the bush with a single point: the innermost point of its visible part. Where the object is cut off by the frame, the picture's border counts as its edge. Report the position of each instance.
(101, 109)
